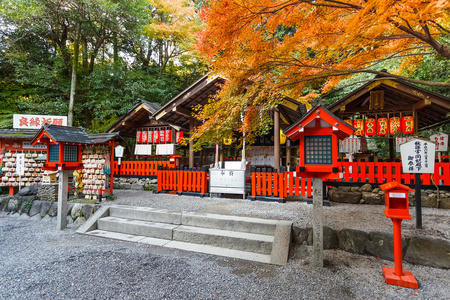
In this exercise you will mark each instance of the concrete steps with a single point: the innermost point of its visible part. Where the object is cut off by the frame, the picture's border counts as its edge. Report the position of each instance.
(245, 238)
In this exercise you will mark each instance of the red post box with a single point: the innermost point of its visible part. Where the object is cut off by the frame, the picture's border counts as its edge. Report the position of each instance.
(174, 161)
(397, 209)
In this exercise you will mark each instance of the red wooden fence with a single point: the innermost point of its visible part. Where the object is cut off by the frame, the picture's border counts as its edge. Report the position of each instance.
(139, 167)
(380, 172)
(182, 181)
(281, 185)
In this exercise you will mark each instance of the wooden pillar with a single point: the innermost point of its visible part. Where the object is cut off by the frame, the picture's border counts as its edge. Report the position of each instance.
(191, 143)
(276, 139)
(62, 200)
(288, 155)
(318, 222)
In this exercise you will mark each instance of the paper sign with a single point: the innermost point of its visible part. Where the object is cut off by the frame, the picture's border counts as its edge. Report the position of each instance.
(442, 141)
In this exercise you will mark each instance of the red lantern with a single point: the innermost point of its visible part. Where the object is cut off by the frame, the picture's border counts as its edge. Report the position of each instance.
(382, 126)
(179, 137)
(168, 136)
(139, 137)
(359, 125)
(162, 136)
(150, 137)
(371, 126)
(156, 137)
(408, 124)
(144, 136)
(394, 125)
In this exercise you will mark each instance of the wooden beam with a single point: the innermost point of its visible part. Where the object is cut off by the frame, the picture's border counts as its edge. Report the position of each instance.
(184, 111)
(421, 104)
(130, 124)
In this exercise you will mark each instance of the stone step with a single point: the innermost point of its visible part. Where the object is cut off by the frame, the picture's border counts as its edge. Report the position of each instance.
(258, 257)
(136, 227)
(263, 258)
(128, 237)
(146, 214)
(236, 240)
(228, 222)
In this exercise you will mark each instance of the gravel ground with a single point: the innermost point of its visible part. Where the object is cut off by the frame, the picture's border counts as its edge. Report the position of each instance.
(39, 262)
(436, 222)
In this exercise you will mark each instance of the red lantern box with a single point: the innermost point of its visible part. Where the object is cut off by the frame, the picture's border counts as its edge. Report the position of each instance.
(359, 125)
(371, 126)
(179, 137)
(162, 136)
(408, 124)
(150, 137)
(144, 136)
(394, 125)
(168, 136)
(318, 133)
(382, 126)
(64, 146)
(139, 137)
(156, 137)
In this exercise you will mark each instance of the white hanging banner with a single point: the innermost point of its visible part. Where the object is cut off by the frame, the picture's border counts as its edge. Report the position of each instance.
(143, 149)
(165, 149)
(418, 156)
(20, 164)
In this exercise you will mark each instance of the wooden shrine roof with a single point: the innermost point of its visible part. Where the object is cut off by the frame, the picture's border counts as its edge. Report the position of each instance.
(399, 97)
(179, 110)
(138, 116)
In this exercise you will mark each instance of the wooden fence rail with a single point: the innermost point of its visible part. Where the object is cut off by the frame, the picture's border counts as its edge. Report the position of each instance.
(138, 167)
(269, 184)
(186, 181)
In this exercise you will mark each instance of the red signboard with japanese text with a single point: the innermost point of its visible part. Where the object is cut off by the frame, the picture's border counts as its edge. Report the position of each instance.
(21, 121)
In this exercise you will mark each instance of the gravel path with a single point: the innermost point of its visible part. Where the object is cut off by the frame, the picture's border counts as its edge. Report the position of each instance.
(39, 262)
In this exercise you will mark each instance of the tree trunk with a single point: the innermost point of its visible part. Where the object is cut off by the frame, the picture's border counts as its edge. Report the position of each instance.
(73, 84)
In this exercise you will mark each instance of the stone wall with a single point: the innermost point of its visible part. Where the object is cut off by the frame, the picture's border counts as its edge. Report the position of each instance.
(77, 213)
(135, 184)
(366, 194)
(417, 250)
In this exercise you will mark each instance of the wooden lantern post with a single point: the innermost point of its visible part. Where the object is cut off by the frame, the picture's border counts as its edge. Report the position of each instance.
(318, 132)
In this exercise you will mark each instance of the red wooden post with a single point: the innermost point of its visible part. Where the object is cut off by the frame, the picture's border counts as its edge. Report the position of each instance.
(253, 183)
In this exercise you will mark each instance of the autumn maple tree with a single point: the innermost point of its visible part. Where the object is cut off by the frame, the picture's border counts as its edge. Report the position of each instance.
(304, 48)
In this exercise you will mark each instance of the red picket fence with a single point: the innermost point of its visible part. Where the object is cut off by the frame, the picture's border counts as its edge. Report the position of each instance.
(283, 184)
(380, 172)
(279, 184)
(188, 181)
(139, 167)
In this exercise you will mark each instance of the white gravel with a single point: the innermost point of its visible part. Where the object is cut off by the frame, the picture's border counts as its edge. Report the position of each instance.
(39, 262)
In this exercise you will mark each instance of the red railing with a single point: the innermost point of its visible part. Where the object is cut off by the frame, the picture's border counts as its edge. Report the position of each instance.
(279, 184)
(283, 184)
(139, 168)
(379, 172)
(181, 181)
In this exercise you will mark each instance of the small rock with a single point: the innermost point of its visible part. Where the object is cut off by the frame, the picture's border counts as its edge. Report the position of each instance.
(76, 211)
(45, 207)
(366, 188)
(53, 211)
(354, 189)
(35, 208)
(86, 210)
(79, 221)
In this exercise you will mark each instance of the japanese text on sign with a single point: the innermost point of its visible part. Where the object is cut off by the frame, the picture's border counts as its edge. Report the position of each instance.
(36, 121)
(441, 140)
(417, 156)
